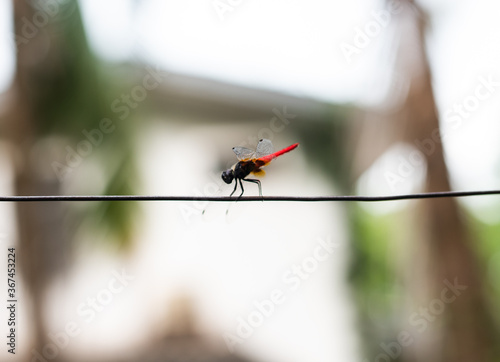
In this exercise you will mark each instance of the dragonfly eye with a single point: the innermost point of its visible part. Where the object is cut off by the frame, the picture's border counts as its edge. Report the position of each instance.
(228, 176)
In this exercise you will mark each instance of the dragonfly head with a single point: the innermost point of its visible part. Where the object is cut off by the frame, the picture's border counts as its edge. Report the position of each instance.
(228, 175)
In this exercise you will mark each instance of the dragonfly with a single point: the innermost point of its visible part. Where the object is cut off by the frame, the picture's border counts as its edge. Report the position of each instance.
(251, 162)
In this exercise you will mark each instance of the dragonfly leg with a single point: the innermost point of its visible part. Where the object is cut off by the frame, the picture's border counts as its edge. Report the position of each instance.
(255, 182)
(242, 189)
(235, 187)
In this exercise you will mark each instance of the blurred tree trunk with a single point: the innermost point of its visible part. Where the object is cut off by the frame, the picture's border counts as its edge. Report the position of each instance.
(57, 96)
(42, 239)
(466, 332)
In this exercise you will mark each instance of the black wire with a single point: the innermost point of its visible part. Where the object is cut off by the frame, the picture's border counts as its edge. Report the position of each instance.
(428, 195)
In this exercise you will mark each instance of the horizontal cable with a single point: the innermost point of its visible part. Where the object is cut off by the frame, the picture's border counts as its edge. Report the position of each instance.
(428, 195)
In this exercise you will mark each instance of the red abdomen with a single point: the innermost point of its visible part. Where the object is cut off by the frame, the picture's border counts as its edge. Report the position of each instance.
(268, 158)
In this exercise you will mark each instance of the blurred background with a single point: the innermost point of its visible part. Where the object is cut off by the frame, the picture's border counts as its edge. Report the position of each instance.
(148, 97)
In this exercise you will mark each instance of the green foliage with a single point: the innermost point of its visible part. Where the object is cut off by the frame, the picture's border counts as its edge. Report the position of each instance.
(488, 247)
(70, 95)
(372, 275)
(72, 92)
(330, 130)
(117, 217)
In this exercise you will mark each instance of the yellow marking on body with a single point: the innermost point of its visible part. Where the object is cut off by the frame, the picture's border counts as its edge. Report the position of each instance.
(259, 173)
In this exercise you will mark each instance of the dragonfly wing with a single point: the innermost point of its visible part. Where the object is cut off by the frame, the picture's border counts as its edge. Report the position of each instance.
(264, 148)
(243, 153)
(269, 158)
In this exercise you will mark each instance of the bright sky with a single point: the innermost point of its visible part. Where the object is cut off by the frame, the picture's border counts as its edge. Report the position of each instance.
(285, 45)
(6, 45)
